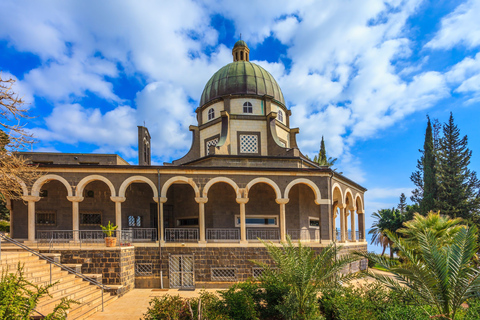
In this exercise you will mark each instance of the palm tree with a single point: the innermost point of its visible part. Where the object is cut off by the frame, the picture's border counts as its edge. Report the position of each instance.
(441, 275)
(385, 220)
(442, 227)
(305, 274)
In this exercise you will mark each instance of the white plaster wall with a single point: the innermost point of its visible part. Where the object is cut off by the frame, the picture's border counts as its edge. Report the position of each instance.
(248, 126)
(217, 107)
(236, 106)
(207, 133)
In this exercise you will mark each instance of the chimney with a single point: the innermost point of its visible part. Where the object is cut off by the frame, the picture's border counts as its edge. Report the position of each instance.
(144, 154)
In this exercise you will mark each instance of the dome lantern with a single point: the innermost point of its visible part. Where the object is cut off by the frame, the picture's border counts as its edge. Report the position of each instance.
(240, 51)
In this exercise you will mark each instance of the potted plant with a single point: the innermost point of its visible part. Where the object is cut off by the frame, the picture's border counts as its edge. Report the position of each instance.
(108, 230)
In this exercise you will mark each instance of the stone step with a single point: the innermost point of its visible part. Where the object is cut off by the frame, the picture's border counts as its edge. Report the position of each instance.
(86, 310)
(79, 293)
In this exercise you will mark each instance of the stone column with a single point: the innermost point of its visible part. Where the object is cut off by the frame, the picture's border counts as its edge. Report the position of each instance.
(334, 223)
(201, 218)
(283, 223)
(75, 218)
(9, 207)
(352, 223)
(161, 231)
(361, 225)
(343, 223)
(31, 215)
(243, 227)
(118, 210)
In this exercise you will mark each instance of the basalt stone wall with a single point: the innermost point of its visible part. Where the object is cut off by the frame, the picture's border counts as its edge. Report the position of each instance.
(117, 266)
(221, 257)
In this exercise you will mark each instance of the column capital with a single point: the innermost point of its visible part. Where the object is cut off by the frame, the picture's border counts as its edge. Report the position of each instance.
(282, 200)
(31, 198)
(242, 200)
(201, 200)
(118, 199)
(162, 199)
(360, 211)
(75, 198)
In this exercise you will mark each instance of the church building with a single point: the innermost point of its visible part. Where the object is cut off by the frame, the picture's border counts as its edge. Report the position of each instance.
(198, 219)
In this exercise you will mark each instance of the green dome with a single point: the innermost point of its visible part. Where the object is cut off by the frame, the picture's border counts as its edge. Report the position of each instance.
(241, 77)
(240, 43)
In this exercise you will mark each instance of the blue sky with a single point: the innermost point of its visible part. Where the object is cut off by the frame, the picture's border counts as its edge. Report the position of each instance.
(364, 74)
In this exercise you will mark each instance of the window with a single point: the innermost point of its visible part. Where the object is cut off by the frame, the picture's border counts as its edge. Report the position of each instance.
(134, 221)
(211, 114)
(247, 107)
(46, 218)
(209, 143)
(43, 193)
(248, 143)
(187, 222)
(90, 218)
(89, 194)
(224, 274)
(314, 223)
(280, 115)
(258, 221)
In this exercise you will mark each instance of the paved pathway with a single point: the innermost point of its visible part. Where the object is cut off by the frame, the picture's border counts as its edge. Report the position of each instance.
(135, 303)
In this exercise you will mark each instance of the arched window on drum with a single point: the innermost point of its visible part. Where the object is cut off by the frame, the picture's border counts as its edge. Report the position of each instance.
(280, 115)
(247, 107)
(211, 114)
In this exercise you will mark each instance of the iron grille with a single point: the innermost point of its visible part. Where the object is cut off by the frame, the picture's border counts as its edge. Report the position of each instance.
(257, 272)
(224, 274)
(91, 218)
(143, 269)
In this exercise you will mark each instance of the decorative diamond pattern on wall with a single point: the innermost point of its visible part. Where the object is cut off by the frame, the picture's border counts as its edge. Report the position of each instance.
(212, 142)
(248, 143)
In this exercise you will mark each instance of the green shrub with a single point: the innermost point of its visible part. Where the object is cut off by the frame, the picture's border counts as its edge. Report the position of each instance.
(242, 301)
(370, 301)
(169, 308)
(19, 297)
(4, 226)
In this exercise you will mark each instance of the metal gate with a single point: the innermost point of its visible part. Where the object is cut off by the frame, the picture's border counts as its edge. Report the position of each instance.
(182, 271)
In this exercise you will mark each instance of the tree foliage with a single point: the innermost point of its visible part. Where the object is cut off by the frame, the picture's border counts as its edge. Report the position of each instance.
(304, 273)
(13, 137)
(434, 274)
(458, 186)
(322, 159)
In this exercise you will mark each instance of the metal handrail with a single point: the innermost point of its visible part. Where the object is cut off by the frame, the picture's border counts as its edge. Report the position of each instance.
(38, 254)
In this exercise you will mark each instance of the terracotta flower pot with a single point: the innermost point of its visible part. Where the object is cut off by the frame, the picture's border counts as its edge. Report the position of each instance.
(110, 241)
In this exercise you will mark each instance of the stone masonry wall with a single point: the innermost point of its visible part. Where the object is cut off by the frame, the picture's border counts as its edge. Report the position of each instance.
(116, 265)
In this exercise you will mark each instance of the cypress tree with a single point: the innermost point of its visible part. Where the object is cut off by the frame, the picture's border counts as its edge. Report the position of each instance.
(429, 178)
(322, 155)
(458, 186)
(403, 203)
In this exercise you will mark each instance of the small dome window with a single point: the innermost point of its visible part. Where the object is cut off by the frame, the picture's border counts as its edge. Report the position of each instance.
(211, 114)
(280, 115)
(247, 107)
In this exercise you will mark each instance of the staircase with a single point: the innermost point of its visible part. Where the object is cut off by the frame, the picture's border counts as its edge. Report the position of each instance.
(67, 285)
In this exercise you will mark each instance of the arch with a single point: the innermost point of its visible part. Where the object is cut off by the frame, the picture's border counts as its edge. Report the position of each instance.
(221, 179)
(49, 177)
(359, 203)
(337, 194)
(349, 197)
(309, 183)
(172, 180)
(81, 185)
(129, 181)
(21, 183)
(270, 182)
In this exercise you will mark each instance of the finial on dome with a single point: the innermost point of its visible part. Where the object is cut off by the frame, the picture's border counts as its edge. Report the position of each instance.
(240, 51)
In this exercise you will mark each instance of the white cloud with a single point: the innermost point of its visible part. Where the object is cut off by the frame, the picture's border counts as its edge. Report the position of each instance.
(462, 26)
(73, 124)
